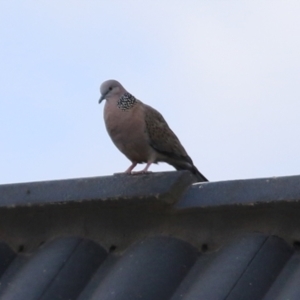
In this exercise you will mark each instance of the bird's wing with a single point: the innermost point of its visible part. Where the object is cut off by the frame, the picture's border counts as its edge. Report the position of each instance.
(161, 137)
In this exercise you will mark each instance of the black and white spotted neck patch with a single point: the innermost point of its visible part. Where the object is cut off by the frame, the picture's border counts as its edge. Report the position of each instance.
(126, 101)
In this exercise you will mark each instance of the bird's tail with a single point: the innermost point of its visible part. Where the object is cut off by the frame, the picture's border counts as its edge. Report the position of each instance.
(185, 163)
(190, 166)
(199, 176)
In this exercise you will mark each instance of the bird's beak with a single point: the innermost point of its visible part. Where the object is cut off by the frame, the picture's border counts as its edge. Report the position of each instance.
(101, 98)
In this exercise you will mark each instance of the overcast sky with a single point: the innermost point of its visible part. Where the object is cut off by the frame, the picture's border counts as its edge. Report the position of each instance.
(225, 75)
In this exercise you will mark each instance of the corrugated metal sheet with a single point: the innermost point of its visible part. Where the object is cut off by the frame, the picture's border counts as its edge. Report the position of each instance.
(150, 237)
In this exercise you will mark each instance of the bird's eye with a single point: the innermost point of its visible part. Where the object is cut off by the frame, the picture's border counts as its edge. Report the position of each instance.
(110, 88)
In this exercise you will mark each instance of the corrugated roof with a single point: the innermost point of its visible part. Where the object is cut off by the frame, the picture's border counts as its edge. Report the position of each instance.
(150, 237)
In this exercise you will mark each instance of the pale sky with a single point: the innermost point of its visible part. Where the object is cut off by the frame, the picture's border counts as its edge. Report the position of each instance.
(225, 75)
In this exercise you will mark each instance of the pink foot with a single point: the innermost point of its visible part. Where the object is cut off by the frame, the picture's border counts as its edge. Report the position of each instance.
(128, 171)
(144, 171)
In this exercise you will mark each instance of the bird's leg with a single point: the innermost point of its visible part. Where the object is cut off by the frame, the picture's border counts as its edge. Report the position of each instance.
(145, 170)
(133, 165)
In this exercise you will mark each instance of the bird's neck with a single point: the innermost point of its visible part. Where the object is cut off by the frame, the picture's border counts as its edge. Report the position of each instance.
(126, 101)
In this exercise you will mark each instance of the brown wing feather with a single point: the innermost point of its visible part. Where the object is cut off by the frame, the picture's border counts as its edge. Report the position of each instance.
(164, 141)
(161, 137)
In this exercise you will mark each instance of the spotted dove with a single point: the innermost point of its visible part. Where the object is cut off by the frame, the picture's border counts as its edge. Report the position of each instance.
(140, 132)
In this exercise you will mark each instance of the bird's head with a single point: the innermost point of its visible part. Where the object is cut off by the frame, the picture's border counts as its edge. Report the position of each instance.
(111, 88)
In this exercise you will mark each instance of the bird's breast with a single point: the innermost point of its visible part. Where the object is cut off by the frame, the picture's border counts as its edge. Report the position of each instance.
(127, 130)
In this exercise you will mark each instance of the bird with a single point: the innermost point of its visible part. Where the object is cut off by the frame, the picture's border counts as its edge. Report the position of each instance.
(140, 132)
